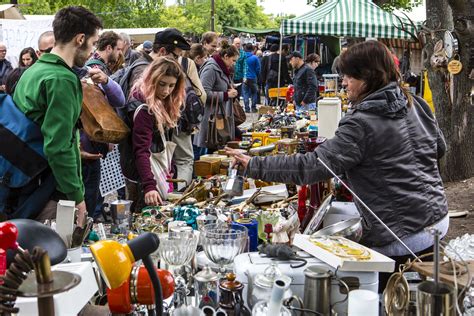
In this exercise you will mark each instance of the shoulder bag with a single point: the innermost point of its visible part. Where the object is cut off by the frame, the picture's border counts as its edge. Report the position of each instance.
(160, 162)
(99, 120)
(218, 133)
(239, 114)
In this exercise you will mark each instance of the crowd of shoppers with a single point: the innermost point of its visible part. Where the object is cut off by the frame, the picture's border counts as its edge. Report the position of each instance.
(47, 87)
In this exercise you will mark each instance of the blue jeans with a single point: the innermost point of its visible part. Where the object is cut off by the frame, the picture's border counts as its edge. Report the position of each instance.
(306, 107)
(199, 151)
(91, 179)
(30, 199)
(250, 91)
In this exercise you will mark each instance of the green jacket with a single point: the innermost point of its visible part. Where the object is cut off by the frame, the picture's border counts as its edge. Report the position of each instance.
(50, 93)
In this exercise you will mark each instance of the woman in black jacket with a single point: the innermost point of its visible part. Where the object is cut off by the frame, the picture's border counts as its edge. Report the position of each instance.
(387, 145)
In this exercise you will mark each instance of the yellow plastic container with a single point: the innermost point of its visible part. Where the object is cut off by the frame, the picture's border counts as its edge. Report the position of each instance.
(262, 136)
(272, 139)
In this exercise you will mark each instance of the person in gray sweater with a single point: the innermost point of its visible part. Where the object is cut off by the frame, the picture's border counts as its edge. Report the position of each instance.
(216, 79)
(387, 145)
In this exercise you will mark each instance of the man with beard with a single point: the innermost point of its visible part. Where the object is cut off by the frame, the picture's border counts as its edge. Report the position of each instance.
(107, 52)
(50, 93)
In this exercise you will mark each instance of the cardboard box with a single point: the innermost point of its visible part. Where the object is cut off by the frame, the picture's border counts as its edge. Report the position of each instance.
(213, 157)
(377, 262)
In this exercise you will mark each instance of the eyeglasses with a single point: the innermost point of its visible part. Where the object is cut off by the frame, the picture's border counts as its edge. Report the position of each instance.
(3, 50)
(47, 50)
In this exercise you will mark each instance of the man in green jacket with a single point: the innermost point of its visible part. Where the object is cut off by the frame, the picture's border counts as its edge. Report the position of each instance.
(50, 93)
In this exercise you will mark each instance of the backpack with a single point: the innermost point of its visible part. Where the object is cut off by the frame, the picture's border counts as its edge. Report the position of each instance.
(21, 154)
(122, 76)
(23, 158)
(272, 75)
(127, 156)
(193, 111)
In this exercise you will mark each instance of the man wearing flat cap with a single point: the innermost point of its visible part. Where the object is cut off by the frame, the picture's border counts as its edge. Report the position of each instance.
(171, 43)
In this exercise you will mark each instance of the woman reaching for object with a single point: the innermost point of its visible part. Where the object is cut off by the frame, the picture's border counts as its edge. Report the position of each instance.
(388, 145)
(161, 89)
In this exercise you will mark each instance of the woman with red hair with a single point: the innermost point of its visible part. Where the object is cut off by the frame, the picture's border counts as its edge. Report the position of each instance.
(161, 89)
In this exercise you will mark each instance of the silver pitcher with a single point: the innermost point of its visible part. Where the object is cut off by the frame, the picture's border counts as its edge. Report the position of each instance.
(317, 289)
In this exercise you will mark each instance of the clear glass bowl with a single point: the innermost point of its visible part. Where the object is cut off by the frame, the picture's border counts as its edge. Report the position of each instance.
(177, 249)
(261, 309)
(223, 242)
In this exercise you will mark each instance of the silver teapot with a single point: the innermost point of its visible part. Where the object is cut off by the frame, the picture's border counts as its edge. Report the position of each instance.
(260, 288)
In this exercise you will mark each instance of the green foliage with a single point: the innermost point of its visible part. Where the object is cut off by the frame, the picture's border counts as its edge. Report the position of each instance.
(242, 13)
(35, 6)
(278, 19)
(190, 16)
(114, 13)
(194, 16)
(184, 19)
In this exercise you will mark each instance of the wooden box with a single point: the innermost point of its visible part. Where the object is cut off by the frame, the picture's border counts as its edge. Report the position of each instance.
(206, 168)
(265, 109)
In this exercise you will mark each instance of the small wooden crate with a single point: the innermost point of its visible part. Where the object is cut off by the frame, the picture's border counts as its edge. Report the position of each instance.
(206, 168)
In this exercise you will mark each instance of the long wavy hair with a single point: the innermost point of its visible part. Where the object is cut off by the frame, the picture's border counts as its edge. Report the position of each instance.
(167, 111)
(372, 62)
(27, 50)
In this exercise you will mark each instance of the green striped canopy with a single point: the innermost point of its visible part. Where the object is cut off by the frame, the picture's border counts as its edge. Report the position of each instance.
(351, 18)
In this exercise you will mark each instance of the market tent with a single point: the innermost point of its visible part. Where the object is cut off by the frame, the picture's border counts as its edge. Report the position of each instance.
(252, 31)
(349, 18)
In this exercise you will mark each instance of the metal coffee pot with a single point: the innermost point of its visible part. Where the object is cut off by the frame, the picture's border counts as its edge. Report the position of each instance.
(317, 289)
(260, 288)
(119, 210)
(230, 297)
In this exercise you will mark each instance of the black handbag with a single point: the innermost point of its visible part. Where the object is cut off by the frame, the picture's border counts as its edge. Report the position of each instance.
(218, 132)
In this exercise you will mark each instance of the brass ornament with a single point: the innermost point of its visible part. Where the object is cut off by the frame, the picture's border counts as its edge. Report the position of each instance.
(454, 67)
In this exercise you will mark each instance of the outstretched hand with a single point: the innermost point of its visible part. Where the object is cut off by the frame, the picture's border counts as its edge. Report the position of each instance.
(153, 198)
(89, 156)
(239, 157)
(98, 76)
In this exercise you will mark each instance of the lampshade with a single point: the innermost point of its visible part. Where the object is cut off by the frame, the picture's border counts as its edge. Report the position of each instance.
(115, 261)
(32, 233)
(138, 289)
